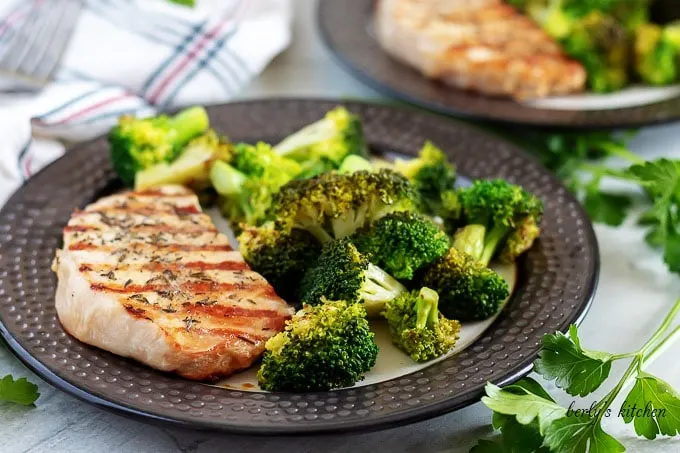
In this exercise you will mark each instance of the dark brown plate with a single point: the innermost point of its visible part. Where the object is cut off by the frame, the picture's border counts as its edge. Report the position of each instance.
(346, 29)
(557, 279)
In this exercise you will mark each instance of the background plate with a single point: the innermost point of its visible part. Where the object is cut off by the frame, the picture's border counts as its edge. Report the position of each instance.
(346, 29)
(557, 279)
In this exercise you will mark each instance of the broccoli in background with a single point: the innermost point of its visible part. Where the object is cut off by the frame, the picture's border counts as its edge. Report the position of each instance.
(434, 178)
(342, 273)
(417, 327)
(192, 167)
(402, 243)
(324, 144)
(602, 45)
(332, 206)
(140, 143)
(657, 51)
(280, 257)
(468, 290)
(322, 348)
(354, 163)
(499, 218)
(248, 182)
(595, 32)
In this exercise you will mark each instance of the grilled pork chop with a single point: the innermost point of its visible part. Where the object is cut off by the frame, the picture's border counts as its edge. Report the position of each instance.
(481, 45)
(146, 275)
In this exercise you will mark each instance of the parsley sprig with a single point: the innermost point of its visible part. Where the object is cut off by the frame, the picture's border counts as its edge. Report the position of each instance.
(530, 420)
(19, 391)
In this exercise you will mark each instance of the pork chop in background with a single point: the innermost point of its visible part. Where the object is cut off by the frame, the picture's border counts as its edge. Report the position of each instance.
(479, 45)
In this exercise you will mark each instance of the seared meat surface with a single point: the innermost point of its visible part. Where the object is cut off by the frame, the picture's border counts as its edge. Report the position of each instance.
(483, 45)
(146, 275)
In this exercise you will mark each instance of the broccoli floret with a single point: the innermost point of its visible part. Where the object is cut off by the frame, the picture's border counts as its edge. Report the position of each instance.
(597, 33)
(332, 206)
(322, 348)
(279, 256)
(249, 181)
(656, 55)
(602, 45)
(402, 243)
(342, 273)
(468, 290)
(499, 208)
(417, 327)
(326, 142)
(139, 143)
(434, 179)
(191, 168)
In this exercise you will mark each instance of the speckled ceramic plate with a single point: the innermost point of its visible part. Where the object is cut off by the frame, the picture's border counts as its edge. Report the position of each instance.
(555, 282)
(346, 27)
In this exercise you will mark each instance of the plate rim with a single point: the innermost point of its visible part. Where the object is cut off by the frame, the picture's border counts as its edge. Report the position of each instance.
(590, 124)
(376, 422)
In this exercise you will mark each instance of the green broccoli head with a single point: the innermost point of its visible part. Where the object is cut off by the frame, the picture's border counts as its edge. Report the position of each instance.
(342, 273)
(402, 243)
(601, 44)
(247, 183)
(655, 55)
(326, 142)
(434, 179)
(140, 143)
(282, 257)
(500, 208)
(417, 327)
(322, 348)
(333, 206)
(468, 290)
(192, 167)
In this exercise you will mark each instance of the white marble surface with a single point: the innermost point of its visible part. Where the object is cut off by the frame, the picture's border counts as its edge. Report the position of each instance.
(634, 292)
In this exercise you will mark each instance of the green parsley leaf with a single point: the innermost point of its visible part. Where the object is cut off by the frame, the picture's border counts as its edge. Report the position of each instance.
(20, 391)
(189, 3)
(610, 209)
(516, 437)
(487, 446)
(580, 435)
(661, 179)
(574, 369)
(654, 407)
(524, 404)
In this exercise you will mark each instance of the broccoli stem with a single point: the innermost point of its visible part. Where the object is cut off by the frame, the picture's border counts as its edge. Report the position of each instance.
(470, 240)
(349, 223)
(226, 179)
(427, 310)
(378, 288)
(492, 241)
(189, 123)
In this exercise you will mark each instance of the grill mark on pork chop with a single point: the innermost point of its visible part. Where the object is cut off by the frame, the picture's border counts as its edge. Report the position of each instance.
(145, 210)
(194, 287)
(166, 247)
(228, 311)
(175, 267)
(151, 228)
(231, 333)
(159, 193)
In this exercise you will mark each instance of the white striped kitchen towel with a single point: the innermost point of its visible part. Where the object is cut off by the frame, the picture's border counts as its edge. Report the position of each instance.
(133, 56)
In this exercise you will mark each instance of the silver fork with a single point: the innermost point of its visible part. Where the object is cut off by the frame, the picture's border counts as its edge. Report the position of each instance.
(34, 50)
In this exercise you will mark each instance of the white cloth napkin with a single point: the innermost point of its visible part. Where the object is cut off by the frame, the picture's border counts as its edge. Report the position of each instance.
(133, 56)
